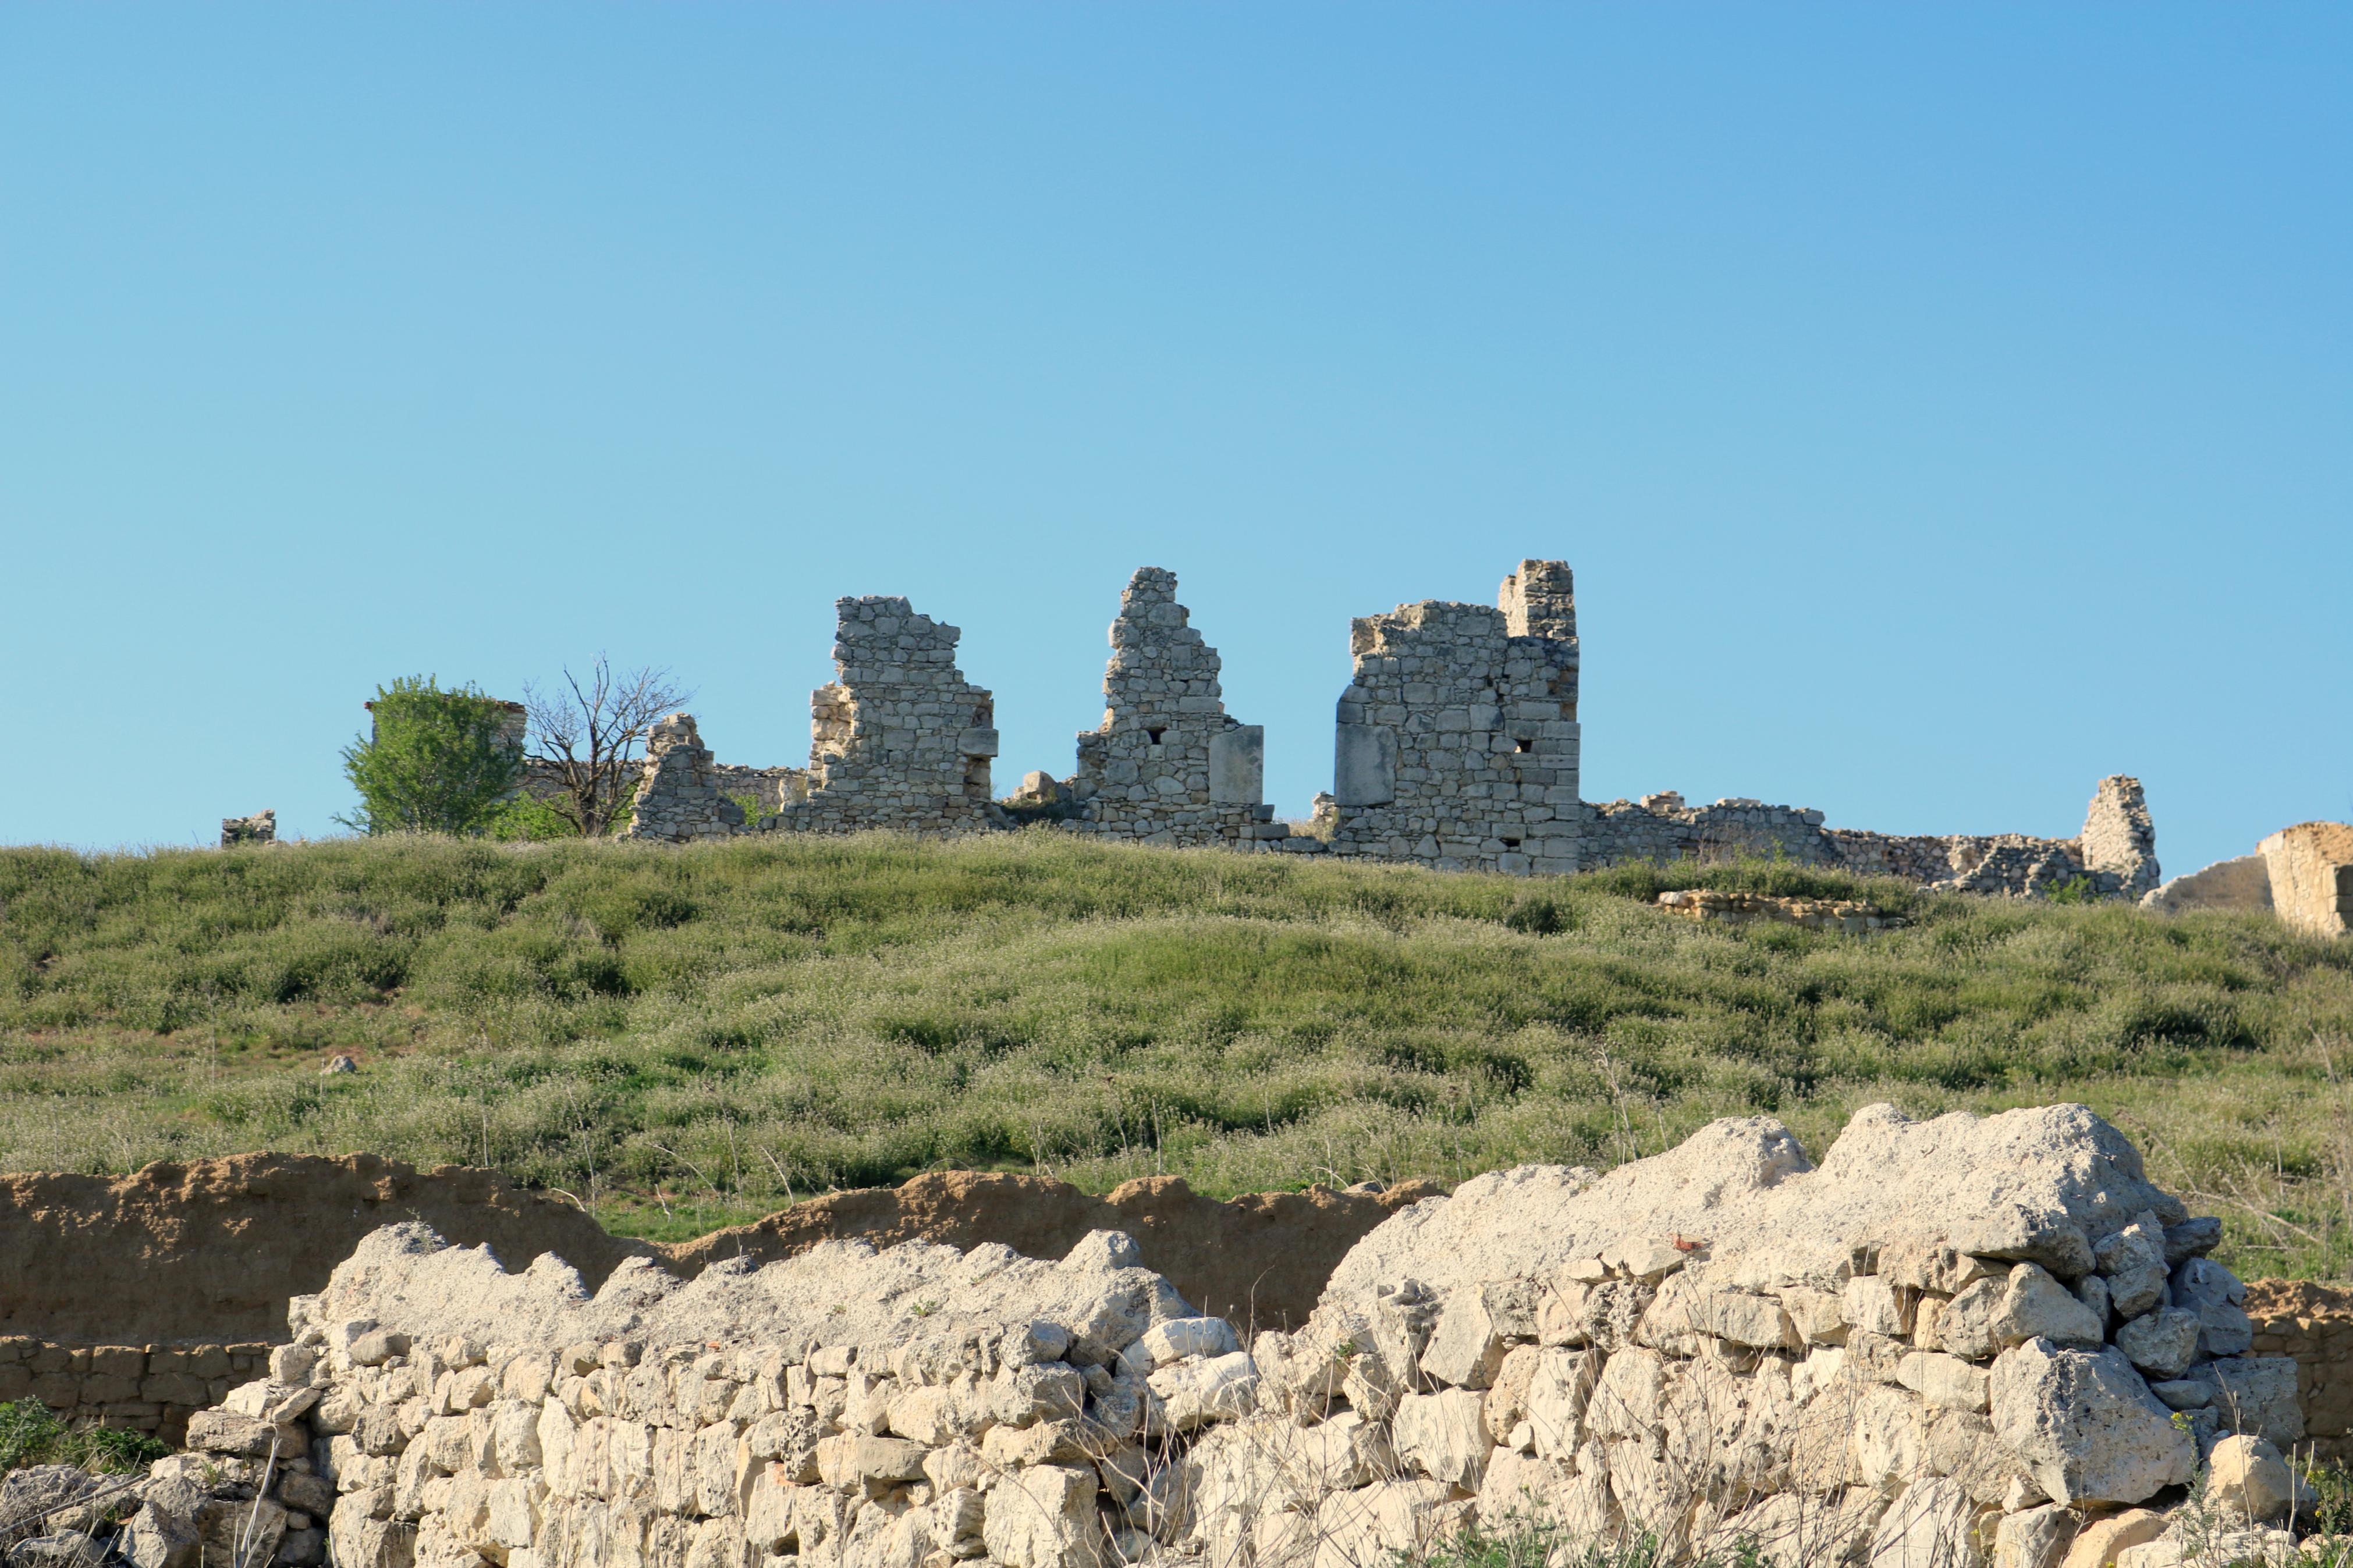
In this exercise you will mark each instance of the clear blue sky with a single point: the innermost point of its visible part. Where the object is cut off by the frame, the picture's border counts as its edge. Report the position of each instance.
(1942, 406)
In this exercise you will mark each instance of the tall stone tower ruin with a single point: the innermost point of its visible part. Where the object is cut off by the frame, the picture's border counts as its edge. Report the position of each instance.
(1457, 741)
(1168, 764)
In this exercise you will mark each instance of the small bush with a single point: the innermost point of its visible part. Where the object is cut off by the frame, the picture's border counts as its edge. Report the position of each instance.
(433, 760)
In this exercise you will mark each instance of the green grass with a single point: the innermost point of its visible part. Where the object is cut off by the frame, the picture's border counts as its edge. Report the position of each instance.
(31, 1435)
(685, 1037)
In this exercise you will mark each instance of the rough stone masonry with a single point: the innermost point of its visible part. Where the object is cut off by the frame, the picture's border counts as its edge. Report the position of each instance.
(1456, 745)
(1954, 1340)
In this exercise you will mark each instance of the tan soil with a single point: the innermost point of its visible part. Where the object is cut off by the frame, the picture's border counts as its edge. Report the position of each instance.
(209, 1252)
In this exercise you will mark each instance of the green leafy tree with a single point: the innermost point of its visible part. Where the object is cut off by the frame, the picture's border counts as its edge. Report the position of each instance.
(435, 762)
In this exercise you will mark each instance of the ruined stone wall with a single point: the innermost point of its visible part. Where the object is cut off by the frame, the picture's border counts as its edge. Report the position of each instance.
(1457, 739)
(771, 789)
(2114, 858)
(2311, 868)
(1954, 1340)
(2312, 1323)
(1662, 828)
(1168, 764)
(135, 1388)
(678, 798)
(1457, 746)
(901, 740)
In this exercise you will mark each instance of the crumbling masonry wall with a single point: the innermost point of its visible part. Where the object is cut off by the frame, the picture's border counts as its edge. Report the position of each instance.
(1168, 764)
(1457, 739)
(2115, 856)
(2311, 875)
(1457, 746)
(678, 798)
(1956, 1339)
(901, 740)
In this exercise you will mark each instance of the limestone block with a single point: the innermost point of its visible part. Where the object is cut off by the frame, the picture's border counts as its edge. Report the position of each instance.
(1468, 1346)
(1943, 1382)
(1441, 1435)
(2311, 875)
(219, 1431)
(2086, 1424)
(1369, 1528)
(2247, 1478)
(1818, 1317)
(1505, 1407)
(2036, 1306)
(1179, 1338)
(2256, 1395)
(1043, 1517)
(1365, 764)
(1871, 1303)
(1559, 1390)
(854, 1458)
(1966, 1326)
(2204, 1286)
(2162, 1344)
(1888, 1439)
(2134, 1263)
(2243, 1548)
(2036, 1538)
(2097, 1544)
(1238, 765)
(1521, 1491)
(1021, 1395)
(1195, 1392)
(1929, 1525)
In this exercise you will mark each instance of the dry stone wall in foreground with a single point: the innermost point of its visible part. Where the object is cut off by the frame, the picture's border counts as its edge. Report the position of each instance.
(1957, 1339)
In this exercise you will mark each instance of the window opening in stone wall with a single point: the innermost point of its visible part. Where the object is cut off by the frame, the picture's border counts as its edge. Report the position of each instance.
(1524, 746)
(1155, 735)
(1510, 844)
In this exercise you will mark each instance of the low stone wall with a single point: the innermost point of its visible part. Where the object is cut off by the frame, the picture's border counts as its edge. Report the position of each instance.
(1956, 1340)
(140, 1388)
(1747, 909)
(2312, 1322)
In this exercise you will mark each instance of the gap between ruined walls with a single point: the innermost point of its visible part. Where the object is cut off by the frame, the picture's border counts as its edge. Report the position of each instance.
(1455, 746)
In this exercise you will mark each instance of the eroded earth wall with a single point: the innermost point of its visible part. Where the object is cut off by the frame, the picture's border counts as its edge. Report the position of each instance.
(210, 1252)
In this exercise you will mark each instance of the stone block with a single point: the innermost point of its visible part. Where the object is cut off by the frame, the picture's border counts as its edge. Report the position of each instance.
(1364, 765)
(1238, 765)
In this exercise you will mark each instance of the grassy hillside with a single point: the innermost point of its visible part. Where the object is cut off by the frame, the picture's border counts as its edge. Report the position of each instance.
(681, 1038)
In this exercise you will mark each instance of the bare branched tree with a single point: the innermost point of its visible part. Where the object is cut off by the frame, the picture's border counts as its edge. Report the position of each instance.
(585, 737)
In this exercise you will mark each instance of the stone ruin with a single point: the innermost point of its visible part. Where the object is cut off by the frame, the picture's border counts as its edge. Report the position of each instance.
(2309, 869)
(2302, 874)
(1457, 741)
(261, 828)
(1455, 746)
(1954, 1341)
(1168, 764)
